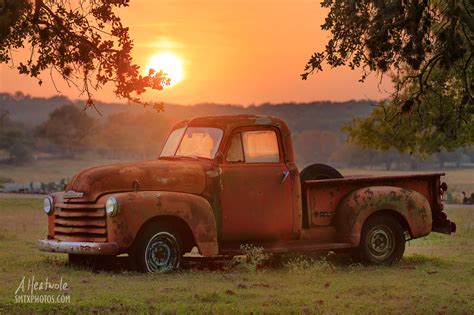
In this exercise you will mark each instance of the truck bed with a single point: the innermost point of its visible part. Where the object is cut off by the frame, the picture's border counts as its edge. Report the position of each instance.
(323, 196)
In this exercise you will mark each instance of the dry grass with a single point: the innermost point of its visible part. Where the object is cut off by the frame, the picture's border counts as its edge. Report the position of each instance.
(49, 170)
(435, 276)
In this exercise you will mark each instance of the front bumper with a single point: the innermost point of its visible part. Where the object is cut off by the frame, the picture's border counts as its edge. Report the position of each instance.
(83, 248)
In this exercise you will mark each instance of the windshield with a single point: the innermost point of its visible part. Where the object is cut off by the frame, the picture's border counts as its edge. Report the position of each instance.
(194, 142)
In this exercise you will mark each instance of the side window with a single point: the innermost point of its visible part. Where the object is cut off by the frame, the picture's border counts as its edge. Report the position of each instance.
(235, 153)
(260, 146)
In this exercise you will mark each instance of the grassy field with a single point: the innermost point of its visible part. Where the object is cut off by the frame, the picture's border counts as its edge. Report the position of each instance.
(435, 276)
(49, 170)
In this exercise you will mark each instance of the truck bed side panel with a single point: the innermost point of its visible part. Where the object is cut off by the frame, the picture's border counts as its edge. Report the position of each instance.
(357, 206)
(324, 196)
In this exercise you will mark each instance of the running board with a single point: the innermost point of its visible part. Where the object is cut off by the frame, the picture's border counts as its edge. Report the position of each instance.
(284, 247)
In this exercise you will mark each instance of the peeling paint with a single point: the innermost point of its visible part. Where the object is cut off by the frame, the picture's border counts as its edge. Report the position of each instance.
(212, 173)
(193, 191)
(185, 176)
(411, 205)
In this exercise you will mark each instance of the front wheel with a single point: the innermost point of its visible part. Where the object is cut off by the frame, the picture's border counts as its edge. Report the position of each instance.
(157, 249)
(382, 241)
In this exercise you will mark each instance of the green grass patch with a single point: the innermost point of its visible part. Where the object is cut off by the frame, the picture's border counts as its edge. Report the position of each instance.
(436, 275)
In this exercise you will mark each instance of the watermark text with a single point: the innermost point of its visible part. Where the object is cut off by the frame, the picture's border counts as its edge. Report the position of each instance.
(32, 290)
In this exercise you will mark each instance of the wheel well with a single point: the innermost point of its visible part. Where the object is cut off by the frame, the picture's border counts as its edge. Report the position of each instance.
(178, 224)
(319, 171)
(394, 214)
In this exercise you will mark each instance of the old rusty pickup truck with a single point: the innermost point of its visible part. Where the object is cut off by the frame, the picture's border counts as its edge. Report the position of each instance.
(225, 181)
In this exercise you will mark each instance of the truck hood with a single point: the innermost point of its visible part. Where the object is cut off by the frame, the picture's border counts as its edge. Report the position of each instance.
(178, 176)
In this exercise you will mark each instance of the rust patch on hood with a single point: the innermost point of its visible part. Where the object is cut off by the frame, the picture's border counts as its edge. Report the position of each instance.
(177, 176)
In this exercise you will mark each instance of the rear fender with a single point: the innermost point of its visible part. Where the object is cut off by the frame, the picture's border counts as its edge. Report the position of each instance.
(357, 206)
(137, 208)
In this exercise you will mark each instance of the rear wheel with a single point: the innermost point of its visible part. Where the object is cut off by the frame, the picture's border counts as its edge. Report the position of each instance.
(382, 241)
(157, 249)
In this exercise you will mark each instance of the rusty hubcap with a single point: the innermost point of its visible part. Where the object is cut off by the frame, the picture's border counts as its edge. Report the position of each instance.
(162, 253)
(381, 242)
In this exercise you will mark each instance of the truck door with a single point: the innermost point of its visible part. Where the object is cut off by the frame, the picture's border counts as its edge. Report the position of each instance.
(256, 195)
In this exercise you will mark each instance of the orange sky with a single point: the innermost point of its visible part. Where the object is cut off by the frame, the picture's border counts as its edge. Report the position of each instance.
(234, 51)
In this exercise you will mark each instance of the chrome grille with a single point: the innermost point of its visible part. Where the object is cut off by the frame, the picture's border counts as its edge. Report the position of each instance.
(80, 224)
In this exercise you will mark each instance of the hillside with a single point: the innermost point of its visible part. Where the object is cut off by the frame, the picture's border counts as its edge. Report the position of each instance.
(134, 132)
(300, 116)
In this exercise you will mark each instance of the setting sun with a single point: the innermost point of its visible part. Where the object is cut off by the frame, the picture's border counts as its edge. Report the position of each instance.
(170, 63)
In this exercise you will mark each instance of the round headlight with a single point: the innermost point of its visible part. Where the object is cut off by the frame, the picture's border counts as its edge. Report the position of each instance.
(48, 205)
(111, 206)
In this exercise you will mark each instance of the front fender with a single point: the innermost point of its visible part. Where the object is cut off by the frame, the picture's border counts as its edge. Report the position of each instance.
(136, 208)
(358, 205)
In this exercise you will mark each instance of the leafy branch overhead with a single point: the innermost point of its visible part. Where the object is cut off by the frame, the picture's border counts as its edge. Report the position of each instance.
(86, 44)
(426, 47)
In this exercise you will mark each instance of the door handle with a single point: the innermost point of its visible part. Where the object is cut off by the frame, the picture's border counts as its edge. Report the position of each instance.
(285, 176)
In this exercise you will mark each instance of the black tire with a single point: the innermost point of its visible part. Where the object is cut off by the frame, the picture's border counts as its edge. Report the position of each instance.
(382, 241)
(318, 172)
(157, 249)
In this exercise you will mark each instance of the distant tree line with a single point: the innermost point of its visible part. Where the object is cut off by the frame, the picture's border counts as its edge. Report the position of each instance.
(16, 140)
(70, 132)
(328, 147)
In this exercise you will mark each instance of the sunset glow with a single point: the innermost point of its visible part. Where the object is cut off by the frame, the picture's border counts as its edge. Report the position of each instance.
(238, 52)
(171, 65)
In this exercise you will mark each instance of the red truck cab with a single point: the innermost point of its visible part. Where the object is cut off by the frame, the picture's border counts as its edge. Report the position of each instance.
(224, 181)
